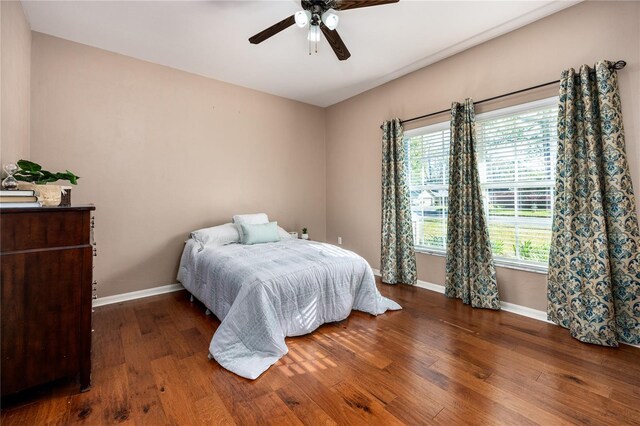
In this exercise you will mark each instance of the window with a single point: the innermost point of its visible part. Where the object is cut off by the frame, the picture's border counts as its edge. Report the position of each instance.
(516, 150)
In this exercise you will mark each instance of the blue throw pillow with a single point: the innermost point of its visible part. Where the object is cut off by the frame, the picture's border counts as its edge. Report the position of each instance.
(262, 233)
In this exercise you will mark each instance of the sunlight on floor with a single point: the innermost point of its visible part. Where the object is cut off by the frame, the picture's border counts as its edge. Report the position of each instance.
(301, 361)
(304, 357)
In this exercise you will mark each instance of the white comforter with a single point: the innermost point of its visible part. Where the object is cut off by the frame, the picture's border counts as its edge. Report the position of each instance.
(265, 292)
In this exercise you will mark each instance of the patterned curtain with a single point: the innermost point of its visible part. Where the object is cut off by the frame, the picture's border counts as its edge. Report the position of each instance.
(594, 263)
(398, 254)
(471, 275)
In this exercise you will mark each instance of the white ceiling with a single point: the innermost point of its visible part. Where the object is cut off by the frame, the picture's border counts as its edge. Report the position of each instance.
(210, 38)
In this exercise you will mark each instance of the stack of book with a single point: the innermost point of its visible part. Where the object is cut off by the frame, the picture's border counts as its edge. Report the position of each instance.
(19, 198)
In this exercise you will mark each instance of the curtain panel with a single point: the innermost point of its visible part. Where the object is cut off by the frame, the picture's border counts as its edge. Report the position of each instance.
(398, 259)
(471, 275)
(594, 263)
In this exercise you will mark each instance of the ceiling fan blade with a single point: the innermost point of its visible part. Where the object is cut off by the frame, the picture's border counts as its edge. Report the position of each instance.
(273, 30)
(354, 4)
(336, 42)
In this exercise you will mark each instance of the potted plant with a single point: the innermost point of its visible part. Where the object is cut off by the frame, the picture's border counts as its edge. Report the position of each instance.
(32, 176)
(304, 235)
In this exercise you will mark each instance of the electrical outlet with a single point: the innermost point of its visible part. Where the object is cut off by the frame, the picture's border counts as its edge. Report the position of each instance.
(340, 241)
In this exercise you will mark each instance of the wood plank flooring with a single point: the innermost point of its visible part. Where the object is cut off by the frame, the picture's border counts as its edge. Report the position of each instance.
(435, 362)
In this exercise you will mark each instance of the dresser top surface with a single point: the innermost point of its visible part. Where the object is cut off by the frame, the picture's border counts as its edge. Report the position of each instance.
(78, 207)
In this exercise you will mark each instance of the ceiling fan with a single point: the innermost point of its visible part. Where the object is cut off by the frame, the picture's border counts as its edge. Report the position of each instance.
(321, 16)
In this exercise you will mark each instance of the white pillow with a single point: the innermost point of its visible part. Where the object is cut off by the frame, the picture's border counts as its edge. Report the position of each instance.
(218, 235)
(249, 219)
(284, 235)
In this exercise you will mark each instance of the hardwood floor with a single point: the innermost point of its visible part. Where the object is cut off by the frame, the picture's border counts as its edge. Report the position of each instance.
(435, 362)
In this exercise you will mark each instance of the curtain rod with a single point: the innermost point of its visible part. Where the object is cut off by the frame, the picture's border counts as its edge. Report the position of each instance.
(616, 66)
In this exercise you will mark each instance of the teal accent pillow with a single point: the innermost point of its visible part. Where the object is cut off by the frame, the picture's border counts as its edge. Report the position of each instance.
(260, 233)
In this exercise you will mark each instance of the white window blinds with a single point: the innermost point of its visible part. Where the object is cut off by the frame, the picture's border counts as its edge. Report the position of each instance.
(516, 151)
(429, 185)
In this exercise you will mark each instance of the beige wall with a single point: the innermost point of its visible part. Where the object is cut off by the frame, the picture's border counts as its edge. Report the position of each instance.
(15, 81)
(531, 55)
(162, 152)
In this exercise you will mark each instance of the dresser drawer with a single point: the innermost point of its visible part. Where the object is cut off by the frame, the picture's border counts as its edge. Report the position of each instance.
(35, 230)
(40, 336)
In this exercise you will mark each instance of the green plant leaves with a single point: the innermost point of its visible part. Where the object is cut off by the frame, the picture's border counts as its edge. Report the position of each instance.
(29, 171)
(67, 175)
(25, 176)
(29, 166)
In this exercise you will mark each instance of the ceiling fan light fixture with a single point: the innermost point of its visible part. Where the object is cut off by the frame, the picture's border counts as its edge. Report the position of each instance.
(319, 15)
(330, 19)
(314, 33)
(302, 18)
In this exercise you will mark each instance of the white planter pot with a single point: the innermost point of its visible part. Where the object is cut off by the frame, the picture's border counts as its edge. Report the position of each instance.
(48, 195)
(305, 236)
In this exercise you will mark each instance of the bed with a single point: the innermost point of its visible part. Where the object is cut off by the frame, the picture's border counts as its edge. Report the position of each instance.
(263, 293)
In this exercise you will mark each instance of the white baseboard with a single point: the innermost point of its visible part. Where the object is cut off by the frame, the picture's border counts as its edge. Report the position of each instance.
(525, 311)
(505, 306)
(108, 300)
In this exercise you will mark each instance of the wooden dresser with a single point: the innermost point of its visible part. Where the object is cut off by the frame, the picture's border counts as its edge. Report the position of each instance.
(46, 261)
